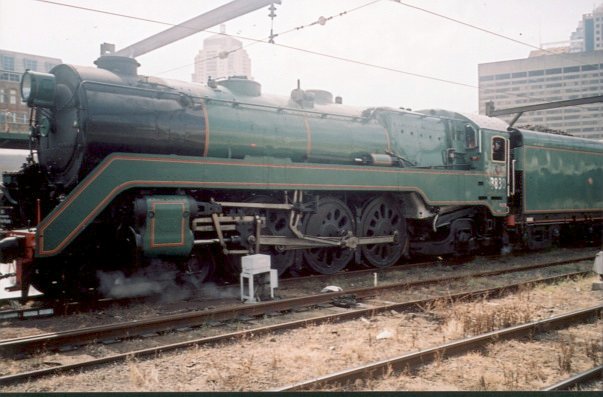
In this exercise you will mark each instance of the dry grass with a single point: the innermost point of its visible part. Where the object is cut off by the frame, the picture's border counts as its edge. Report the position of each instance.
(142, 378)
(566, 348)
(249, 364)
(594, 351)
(474, 318)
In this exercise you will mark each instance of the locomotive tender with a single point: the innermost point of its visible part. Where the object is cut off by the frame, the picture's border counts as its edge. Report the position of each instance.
(133, 169)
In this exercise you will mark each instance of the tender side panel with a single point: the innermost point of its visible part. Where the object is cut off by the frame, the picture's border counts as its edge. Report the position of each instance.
(557, 180)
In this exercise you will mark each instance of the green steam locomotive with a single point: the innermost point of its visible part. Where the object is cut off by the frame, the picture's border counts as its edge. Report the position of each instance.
(127, 170)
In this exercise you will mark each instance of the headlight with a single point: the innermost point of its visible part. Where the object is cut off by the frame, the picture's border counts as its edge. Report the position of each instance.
(26, 86)
(37, 89)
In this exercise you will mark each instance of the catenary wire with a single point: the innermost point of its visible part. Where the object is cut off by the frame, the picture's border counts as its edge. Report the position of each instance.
(467, 24)
(254, 41)
(343, 59)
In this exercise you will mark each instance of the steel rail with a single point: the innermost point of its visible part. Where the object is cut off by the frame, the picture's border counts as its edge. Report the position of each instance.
(338, 317)
(407, 266)
(66, 307)
(52, 308)
(63, 308)
(591, 375)
(22, 314)
(413, 361)
(50, 341)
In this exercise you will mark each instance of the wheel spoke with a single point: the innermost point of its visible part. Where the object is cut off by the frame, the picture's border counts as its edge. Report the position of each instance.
(333, 219)
(199, 267)
(383, 217)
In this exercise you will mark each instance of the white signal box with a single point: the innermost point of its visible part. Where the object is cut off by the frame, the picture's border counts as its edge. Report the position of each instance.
(256, 269)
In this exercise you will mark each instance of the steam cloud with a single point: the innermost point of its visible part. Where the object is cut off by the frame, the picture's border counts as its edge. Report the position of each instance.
(158, 279)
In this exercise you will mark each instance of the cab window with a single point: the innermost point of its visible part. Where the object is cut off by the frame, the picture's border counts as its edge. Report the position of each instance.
(498, 149)
(470, 137)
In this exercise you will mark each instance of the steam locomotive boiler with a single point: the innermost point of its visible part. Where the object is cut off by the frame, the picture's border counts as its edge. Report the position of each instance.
(128, 170)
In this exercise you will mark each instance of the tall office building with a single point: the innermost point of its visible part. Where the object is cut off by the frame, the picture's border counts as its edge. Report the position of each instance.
(547, 78)
(222, 56)
(549, 75)
(14, 115)
(588, 36)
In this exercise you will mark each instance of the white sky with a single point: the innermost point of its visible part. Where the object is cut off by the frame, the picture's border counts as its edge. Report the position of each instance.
(384, 33)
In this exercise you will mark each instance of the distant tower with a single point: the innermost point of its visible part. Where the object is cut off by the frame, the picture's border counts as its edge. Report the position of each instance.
(216, 60)
(588, 36)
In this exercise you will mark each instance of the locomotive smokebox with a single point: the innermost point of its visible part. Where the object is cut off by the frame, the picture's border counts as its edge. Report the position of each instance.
(119, 65)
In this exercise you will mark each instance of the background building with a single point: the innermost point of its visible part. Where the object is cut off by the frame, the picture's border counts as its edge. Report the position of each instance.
(216, 61)
(548, 78)
(589, 34)
(14, 115)
(553, 74)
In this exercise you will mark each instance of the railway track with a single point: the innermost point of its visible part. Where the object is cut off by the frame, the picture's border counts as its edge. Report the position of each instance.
(58, 308)
(26, 313)
(64, 308)
(36, 342)
(120, 331)
(46, 309)
(582, 378)
(412, 361)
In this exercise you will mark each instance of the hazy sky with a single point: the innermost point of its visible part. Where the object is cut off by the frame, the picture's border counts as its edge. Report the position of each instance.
(385, 33)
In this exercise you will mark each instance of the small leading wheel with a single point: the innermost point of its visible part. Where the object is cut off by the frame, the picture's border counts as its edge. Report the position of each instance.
(48, 283)
(66, 280)
(332, 219)
(199, 267)
(382, 217)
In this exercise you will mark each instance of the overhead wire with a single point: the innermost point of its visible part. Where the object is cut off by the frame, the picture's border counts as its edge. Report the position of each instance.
(322, 21)
(253, 40)
(319, 21)
(466, 24)
(330, 56)
(472, 26)
(381, 67)
(115, 14)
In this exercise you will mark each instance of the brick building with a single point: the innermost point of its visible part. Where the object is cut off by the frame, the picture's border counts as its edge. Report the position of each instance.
(14, 114)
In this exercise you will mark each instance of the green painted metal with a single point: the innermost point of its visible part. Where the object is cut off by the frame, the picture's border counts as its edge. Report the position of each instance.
(247, 130)
(497, 170)
(560, 173)
(166, 228)
(120, 172)
(14, 140)
(420, 139)
(555, 141)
